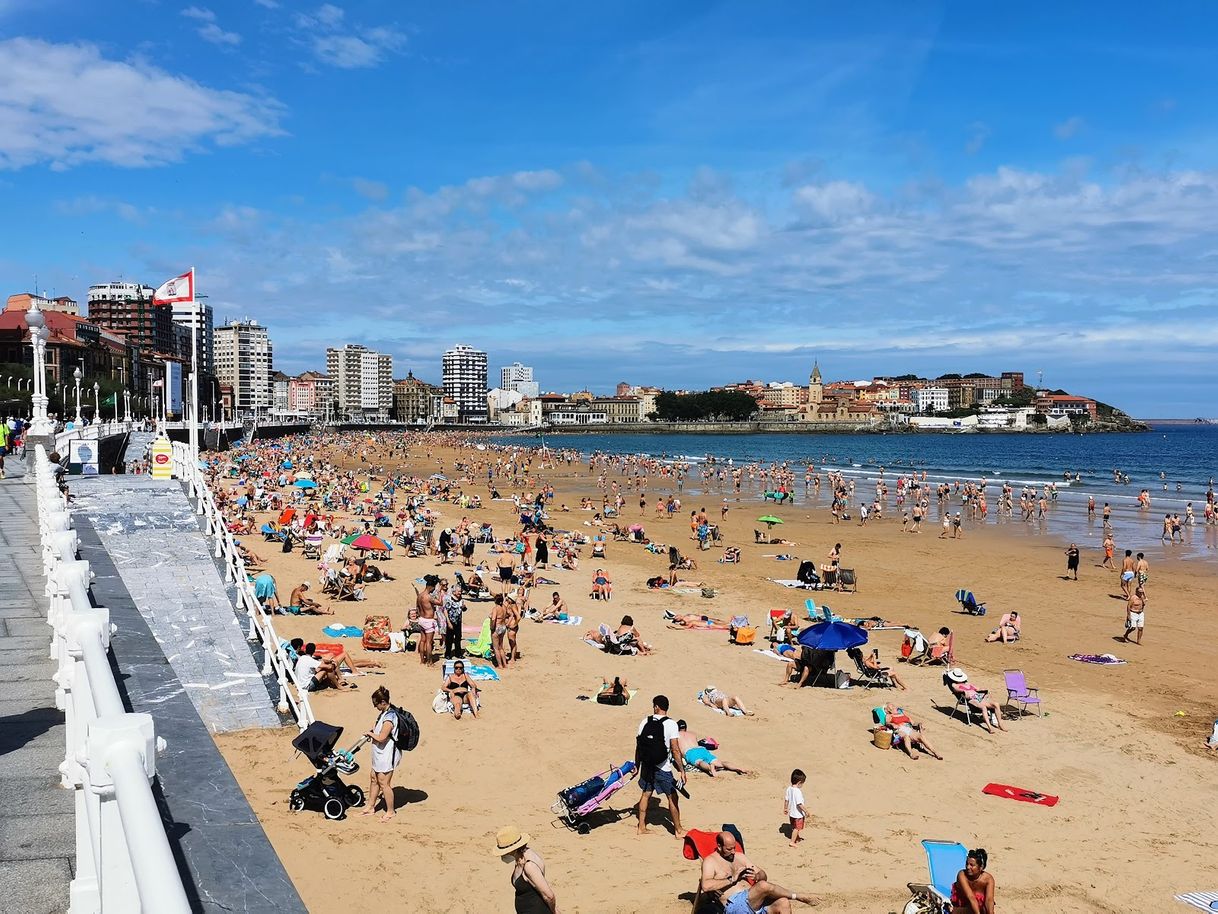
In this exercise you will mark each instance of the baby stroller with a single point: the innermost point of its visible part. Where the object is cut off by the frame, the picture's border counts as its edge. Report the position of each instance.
(969, 603)
(576, 803)
(325, 790)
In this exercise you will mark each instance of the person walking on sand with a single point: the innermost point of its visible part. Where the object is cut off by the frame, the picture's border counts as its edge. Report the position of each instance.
(793, 805)
(1109, 549)
(1128, 564)
(385, 754)
(656, 745)
(499, 629)
(1135, 615)
(1142, 571)
(1072, 561)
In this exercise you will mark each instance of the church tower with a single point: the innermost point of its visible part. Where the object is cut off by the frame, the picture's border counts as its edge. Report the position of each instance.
(816, 390)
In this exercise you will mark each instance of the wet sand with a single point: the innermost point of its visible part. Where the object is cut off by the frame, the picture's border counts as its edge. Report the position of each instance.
(1136, 785)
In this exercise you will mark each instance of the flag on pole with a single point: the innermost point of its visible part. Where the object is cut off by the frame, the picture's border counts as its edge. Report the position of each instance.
(180, 288)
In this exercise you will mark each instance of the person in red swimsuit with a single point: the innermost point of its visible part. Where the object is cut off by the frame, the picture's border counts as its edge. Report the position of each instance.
(973, 890)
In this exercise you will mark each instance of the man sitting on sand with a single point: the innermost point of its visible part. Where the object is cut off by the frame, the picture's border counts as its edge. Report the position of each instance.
(1008, 628)
(315, 674)
(699, 756)
(299, 604)
(741, 887)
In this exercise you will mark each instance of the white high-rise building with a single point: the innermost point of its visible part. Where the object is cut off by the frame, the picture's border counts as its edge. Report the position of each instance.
(244, 358)
(519, 378)
(464, 380)
(363, 381)
(205, 334)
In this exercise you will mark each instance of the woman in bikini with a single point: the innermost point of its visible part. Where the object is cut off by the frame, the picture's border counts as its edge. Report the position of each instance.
(973, 890)
(460, 687)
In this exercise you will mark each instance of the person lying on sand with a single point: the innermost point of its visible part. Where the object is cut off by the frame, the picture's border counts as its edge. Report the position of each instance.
(714, 698)
(694, 620)
(907, 733)
(698, 756)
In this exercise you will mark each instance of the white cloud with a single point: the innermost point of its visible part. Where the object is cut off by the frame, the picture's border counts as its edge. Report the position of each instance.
(336, 42)
(371, 190)
(1068, 128)
(209, 29)
(835, 200)
(66, 104)
(978, 133)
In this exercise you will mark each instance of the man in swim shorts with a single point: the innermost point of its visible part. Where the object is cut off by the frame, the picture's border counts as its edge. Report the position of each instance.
(1127, 573)
(426, 605)
(743, 888)
(699, 756)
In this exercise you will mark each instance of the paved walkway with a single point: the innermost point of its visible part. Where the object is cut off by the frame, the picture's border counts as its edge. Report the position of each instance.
(37, 859)
(149, 530)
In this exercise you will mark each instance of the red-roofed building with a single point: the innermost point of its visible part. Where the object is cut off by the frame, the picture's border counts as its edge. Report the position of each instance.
(1065, 405)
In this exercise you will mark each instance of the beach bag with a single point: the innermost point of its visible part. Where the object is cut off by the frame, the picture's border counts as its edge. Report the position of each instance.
(650, 748)
(609, 698)
(746, 635)
(376, 633)
(709, 742)
(708, 592)
(882, 738)
(407, 736)
(907, 648)
(577, 796)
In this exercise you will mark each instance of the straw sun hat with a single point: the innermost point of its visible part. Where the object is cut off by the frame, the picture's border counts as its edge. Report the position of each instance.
(510, 839)
(957, 675)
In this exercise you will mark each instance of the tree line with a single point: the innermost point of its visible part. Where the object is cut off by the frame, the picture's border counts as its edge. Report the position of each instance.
(722, 405)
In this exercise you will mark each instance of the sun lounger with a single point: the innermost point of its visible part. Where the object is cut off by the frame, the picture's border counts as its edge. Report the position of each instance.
(1020, 692)
(1206, 901)
(944, 860)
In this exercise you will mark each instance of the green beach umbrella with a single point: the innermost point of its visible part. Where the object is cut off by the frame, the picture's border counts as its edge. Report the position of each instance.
(769, 519)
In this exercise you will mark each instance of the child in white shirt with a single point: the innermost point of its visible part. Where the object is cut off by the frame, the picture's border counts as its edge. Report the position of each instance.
(793, 806)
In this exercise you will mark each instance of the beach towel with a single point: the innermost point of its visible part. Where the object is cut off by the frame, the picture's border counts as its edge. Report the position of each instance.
(772, 655)
(570, 620)
(789, 582)
(334, 630)
(1101, 659)
(479, 672)
(1206, 901)
(698, 843)
(1008, 792)
(480, 646)
(589, 641)
(731, 712)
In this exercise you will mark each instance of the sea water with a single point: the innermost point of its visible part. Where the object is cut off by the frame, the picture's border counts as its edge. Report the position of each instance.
(1184, 458)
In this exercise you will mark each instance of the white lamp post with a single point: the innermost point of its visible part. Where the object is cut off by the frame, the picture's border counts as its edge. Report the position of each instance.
(78, 374)
(41, 425)
(126, 405)
(96, 402)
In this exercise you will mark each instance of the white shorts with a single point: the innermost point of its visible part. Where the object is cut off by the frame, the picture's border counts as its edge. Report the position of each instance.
(1136, 620)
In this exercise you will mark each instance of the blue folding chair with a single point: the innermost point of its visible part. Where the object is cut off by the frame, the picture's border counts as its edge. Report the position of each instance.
(944, 859)
(969, 603)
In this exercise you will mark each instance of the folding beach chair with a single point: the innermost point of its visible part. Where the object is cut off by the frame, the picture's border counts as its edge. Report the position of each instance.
(869, 678)
(1020, 692)
(944, 859)
(1206, 901)
(962, 702)
(969, 603)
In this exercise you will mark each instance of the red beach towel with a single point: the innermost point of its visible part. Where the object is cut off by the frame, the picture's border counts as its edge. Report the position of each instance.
(1018, 793)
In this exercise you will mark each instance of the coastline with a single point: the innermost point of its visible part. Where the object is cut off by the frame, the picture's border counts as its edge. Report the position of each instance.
(790, 428)
(1110, 731)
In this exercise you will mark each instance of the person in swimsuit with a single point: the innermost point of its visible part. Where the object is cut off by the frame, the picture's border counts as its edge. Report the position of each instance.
(973, 890)
(533, 893)
(499, 627)
(602, 585)
(426, 605)
(459, 688)
(1008, 628)
(1127, 573)
(909, 735)
(741, 887)
(506, 563)
(698, 756)
(713, 698)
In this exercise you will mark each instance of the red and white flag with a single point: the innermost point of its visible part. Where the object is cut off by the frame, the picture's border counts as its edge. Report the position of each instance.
(180, 288)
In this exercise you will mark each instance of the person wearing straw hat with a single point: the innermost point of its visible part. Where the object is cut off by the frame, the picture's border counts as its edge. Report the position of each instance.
(957, 681)
(533, 892)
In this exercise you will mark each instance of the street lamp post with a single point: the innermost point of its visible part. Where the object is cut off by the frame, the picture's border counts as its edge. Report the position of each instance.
(40, 426)
(126, 405)
(78, 374)
(96, 402)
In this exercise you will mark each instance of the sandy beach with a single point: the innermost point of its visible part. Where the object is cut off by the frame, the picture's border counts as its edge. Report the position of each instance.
(1133, 826)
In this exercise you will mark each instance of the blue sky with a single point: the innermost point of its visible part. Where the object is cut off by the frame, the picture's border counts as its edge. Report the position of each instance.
(670, 193)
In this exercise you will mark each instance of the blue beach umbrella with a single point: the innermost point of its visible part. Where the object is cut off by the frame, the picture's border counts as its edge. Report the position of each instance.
(305, 484)
(833, 636)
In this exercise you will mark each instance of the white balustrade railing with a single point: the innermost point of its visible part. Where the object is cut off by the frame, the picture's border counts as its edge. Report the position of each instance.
(93, 431)
(261, 625)
(123, 859)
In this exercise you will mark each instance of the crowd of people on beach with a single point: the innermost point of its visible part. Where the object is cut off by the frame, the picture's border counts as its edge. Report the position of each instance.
(322, 493)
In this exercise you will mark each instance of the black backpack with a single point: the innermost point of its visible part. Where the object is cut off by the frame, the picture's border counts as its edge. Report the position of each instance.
(650, 748)
(407, 736)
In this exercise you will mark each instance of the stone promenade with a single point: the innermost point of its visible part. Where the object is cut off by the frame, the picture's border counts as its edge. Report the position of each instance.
(36, 829)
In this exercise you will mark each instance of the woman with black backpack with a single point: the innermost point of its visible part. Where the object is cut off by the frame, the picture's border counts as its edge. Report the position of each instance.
(385, 754)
